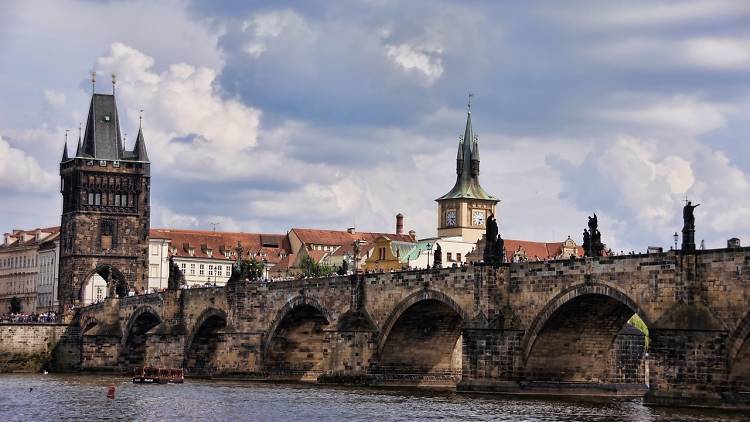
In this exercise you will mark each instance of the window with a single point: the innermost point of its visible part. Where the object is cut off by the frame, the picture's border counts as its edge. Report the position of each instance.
(229, 270)
(449, 256)
(218, 270)
(154, 270)
(210, 269)
(192, 269)
(108, 234)
(200, 269)
(154, 250)
(458, 257)
(117, 201)
(97, 199)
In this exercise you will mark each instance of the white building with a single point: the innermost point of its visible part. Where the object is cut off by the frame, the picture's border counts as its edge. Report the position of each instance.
(47, 275)
(206, 257)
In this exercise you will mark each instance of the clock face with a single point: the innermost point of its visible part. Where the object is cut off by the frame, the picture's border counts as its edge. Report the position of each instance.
(477, 218)
(450, 218)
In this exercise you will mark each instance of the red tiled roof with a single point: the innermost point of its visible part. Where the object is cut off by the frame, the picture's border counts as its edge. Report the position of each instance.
(18, 234)
(343, 237)
(219, 242)
(541, 250)
(316, 256)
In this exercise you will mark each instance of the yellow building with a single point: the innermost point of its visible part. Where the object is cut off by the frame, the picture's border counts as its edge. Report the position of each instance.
(388, 255)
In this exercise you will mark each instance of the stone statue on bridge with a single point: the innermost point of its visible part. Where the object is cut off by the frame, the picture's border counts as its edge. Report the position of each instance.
(438, 257)
(494, 246)
(176, 278)
(688, 228)
(592, 239)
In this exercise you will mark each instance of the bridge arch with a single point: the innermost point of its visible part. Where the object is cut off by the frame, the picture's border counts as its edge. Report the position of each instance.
(87, 323)
(573, 337)
(422, 337)
(294, 345)
(738, 351)
(202, 342)
(102, 282)
(143, 319)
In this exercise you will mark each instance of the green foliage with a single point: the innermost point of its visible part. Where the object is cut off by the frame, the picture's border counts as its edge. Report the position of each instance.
(15, 305)
(249, 269)
(311, 268)
(638, 323)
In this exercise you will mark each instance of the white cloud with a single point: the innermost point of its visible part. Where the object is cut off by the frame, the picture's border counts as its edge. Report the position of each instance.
(426, 60)
(679, 115)
(22, 173)
(264, 27)
(190, 130)
(713, 53)
(54, 98)
(604, 15)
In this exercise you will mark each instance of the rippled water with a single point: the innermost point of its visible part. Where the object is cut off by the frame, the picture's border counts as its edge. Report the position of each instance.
(83, 397)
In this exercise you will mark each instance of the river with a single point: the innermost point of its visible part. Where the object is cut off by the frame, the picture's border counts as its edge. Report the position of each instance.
(27, 397)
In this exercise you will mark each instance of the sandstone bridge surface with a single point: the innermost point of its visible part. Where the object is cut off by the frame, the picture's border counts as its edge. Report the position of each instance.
(557, 327)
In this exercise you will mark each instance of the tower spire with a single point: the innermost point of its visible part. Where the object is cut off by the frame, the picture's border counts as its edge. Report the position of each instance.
(79, 148)
(65, 147)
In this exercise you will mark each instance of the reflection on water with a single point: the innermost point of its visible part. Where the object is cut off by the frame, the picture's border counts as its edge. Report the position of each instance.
(83, 397)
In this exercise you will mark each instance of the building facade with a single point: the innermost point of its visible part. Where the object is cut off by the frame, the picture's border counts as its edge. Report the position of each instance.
(19, 268)
(106, 210)
(206, 257)
(47, 274)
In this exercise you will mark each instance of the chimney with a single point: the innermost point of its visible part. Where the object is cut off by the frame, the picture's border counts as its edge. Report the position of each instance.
(399, 223)
(350, 230)
(733, 243)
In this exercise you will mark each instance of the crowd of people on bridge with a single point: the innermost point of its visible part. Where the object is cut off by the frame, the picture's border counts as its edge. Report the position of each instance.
(29, 318)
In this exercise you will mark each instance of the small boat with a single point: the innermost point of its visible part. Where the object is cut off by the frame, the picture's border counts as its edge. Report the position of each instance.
(154, 375)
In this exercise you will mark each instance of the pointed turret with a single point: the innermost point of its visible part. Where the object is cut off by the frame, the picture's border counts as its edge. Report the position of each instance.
(467, 168)
(475, 157)
(139, 150)
(460, 157)
(65, 150)
(102, 139)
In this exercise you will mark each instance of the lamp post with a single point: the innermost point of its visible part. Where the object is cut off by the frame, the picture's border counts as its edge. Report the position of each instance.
(429, 249)
(265, 268)
(676, 237)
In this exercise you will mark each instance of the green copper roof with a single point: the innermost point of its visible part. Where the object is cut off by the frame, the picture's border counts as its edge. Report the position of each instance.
(467, 169)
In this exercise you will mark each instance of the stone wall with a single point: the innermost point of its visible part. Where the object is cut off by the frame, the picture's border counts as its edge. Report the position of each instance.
(38, 347)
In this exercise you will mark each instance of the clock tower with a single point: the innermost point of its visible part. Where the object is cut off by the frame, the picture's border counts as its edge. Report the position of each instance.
(463, 211)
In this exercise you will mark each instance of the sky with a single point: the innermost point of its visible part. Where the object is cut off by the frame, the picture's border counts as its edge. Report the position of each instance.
(263, 116)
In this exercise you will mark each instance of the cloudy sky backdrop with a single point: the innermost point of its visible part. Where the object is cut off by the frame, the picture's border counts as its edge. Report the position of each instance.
(263, 116)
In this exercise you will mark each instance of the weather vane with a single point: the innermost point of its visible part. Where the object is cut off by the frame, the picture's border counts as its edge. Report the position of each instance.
(93, 81)
(470, 95)
(114, 80)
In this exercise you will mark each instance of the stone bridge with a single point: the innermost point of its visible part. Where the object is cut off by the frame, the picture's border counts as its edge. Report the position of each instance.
(537, 327)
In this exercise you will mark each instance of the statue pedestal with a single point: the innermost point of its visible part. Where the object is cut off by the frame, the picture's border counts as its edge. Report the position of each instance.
(688, 240)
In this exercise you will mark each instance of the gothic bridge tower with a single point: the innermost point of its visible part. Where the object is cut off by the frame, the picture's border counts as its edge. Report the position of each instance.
(106, 211)
(463, 211)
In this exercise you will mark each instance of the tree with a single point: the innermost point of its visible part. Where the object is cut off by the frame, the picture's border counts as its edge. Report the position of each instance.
(15, 305)
(310, 268)
(249, 269)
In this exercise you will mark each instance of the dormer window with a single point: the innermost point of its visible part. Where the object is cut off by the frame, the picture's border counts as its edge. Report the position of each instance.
(209, 252)
(106, 117)
(191, 251)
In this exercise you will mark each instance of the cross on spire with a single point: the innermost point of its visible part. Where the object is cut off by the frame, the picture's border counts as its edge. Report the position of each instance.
(470, 95)
(93, 81)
